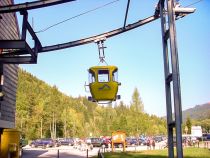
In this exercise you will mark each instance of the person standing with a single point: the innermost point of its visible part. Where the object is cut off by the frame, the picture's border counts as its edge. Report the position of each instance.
(148, 143)
(153, 144)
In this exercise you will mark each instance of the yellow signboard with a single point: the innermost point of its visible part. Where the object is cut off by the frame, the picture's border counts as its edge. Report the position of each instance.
(118, 137)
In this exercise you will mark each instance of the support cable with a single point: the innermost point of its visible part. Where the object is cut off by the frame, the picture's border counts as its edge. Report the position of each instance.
(76, 16)
(194, 3)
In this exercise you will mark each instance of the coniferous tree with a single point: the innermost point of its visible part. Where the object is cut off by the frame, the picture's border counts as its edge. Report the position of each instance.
(189, 125)
(137, 104)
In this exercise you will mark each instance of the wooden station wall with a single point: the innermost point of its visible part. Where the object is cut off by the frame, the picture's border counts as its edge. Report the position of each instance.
(9, 72)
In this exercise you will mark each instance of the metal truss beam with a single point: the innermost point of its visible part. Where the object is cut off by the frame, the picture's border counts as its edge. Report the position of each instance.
(17, 60)
(172, 78)
(13, 44)
(18, 51)
(21, 53)
(110, 33)
(31, 5)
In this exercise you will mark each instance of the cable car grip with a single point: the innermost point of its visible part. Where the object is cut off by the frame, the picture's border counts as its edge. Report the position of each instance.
(100, 43)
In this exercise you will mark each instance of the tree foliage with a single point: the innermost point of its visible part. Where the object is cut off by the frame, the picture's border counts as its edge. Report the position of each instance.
(188, 125)
(43, 111)
(137, 104)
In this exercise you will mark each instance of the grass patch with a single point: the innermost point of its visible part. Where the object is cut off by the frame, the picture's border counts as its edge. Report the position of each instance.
(188, 153)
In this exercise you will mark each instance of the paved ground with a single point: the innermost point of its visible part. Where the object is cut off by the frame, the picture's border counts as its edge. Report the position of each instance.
(64, 152)
(70, 152)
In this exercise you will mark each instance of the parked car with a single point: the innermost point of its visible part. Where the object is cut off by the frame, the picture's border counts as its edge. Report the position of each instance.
(206, 137)
(106, 142)
(57, 143)
(43, 143)
(158, 139)
(66, 141)
(142, 141)
(132, 141)
(96, 142)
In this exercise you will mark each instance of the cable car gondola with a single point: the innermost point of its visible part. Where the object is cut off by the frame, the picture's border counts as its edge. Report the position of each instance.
(103, 80)
(103, 83)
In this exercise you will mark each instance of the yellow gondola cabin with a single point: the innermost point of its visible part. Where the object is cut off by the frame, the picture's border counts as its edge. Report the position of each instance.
(103, 83)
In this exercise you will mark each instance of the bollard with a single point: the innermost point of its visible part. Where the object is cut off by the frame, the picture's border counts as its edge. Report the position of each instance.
(103, 148)
(21, 153)
(98, 153)
(87, 153)
(58, 154)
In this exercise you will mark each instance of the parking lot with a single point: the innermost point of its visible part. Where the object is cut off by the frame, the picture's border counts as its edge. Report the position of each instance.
(61, 152)
(71, 152)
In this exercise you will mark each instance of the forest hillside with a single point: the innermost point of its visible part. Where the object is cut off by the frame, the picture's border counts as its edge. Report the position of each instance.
(43, 111)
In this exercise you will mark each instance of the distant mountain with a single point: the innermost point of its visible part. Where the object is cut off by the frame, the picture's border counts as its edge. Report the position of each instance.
(199, 112)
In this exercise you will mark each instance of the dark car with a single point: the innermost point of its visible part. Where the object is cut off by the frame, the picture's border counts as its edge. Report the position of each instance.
(96, 142)
(67, 141)
(43, 143)
(158, 139)
(132, 141)
(106, 142)
(142, 141)
(206, 137)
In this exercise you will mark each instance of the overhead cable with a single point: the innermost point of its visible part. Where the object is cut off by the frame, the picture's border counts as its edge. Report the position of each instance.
(99, 7)
(194, 3)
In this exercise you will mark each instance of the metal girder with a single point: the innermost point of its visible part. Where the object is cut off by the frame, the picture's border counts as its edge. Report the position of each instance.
(24, 48)
(18, 51)
(31, 5)
(20, 47)
(168, 76)
(18, 60)
(21, 53)
(106, 34)
(175, 77)
(126, 13)
(13, 44)
(100, 36)
(167, 10)
(31, 31)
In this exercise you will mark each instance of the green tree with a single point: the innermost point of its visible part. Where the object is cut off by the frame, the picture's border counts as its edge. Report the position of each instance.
(189, 125)
(43, 111)
(137, 104)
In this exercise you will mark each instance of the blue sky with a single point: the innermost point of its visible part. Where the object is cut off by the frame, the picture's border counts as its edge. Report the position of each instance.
(137, 53)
